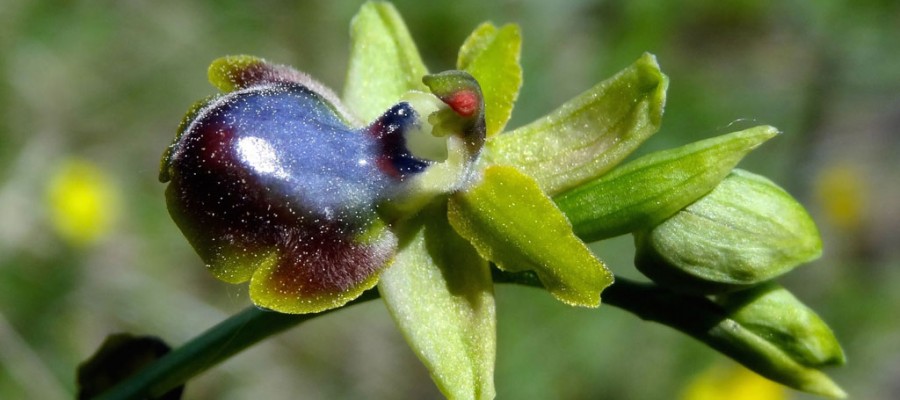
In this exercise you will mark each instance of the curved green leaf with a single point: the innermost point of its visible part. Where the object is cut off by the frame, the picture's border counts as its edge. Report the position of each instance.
(646, 191)
(591, 133)
(491, 55)
(384, 61)
(440, 293)
(511, 222)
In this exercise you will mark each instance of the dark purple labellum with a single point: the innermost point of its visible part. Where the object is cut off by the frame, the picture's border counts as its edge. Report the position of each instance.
(269, 182)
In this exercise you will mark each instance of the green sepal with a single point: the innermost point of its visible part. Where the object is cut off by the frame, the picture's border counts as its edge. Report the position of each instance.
(590, 134)
(440, 293)
(773, 313)
(746, 231)
(491, 55)
(512, 223)
(384, 61)
(646, 191)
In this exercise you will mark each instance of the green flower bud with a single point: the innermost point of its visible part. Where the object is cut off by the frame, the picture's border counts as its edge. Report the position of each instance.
(773, 313)
(746, 231)
(766, 358)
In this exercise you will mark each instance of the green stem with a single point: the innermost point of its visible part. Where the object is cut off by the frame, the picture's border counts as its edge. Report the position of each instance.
(695, 316)
(217, 344)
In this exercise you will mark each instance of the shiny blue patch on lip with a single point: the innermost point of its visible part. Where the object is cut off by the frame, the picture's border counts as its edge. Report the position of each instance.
(289, 140)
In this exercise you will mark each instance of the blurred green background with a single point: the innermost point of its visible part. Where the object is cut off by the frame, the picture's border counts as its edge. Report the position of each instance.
(91, 93)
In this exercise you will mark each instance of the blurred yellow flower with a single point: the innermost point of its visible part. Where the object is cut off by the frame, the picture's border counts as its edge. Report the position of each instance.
(841, 190)
(82, 202)
(733, 382)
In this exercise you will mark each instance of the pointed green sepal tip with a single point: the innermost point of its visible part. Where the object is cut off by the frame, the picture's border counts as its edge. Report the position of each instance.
(590, 134)
(646, 191)
(746, 231)
(512, 223)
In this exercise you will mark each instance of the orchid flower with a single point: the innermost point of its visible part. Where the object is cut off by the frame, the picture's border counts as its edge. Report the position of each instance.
(410, 182)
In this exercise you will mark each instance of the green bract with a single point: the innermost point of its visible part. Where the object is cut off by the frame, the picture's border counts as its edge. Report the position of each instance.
(511, 199)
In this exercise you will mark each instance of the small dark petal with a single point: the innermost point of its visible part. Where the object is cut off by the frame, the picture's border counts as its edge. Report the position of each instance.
(390, 131)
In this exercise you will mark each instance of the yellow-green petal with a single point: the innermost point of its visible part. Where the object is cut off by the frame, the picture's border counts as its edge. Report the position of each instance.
(590, 134)
(440, 293)
(491, 55)
(511, 222)
(384, 61)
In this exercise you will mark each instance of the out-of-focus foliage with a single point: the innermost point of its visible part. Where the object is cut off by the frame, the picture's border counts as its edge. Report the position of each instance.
(107, 82)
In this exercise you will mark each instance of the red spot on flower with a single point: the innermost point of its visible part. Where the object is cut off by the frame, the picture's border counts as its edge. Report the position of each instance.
(464, 102)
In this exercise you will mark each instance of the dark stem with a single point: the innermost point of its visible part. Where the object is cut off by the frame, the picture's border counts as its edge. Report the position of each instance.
(692, 315)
